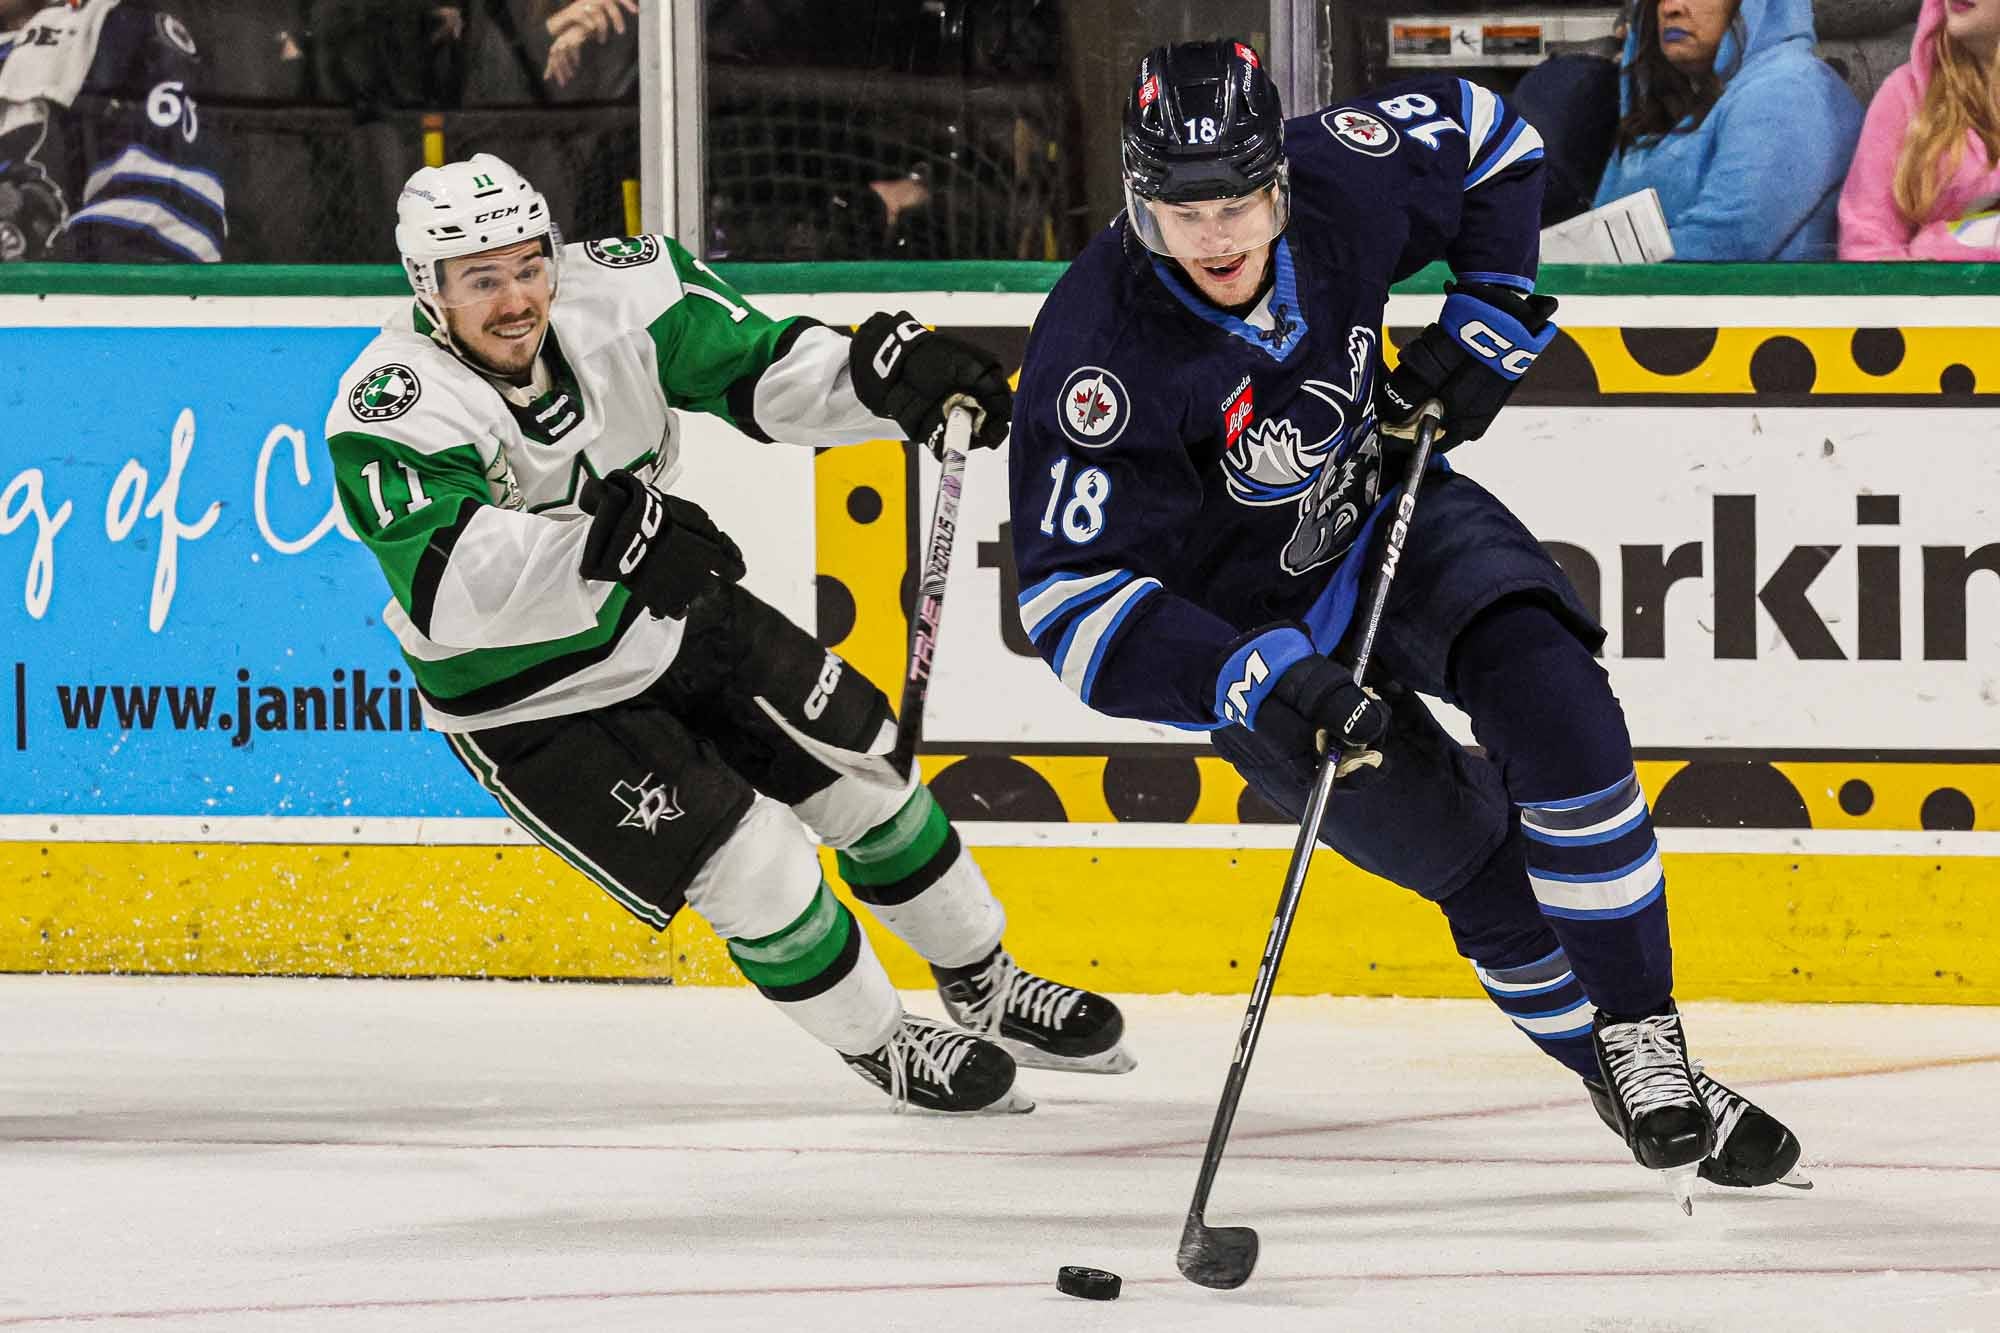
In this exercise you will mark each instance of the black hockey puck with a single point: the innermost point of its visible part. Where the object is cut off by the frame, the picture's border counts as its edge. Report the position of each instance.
(1092, 1284)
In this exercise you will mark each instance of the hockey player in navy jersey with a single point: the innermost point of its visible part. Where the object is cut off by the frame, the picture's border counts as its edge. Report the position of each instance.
(103, 154)
(1204, 445)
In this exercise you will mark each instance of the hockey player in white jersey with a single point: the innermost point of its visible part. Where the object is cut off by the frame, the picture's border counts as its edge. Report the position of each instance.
(578, 633)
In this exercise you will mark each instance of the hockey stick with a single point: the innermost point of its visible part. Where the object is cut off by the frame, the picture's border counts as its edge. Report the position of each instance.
(1222, 1257)
(929, 609)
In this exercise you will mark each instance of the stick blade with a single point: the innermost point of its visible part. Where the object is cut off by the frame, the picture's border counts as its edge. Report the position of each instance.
(1217, 1257)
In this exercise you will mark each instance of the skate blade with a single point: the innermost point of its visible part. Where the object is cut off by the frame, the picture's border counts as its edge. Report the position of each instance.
(1014, 1102)
(1116, 1060)
(1680, 1180)
(1794, 1179)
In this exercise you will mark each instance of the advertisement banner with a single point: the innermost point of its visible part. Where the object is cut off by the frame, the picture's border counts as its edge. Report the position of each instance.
(1781, 579)
(187, 626)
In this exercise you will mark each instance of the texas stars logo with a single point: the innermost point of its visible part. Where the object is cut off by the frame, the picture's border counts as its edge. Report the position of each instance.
(623, 251)
(1093, 407)
(385, 392)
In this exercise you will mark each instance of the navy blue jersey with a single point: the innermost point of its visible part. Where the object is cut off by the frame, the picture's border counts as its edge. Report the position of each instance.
(1181, 477)
(103, 155)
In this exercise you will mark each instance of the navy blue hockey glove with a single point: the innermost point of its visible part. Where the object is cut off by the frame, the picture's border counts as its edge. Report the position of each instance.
(665, 549)
(1276, 684)
(1469, 361)
(913, 376)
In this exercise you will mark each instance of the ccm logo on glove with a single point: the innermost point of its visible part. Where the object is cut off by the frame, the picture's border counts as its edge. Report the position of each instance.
(913, 376)
(665, 549)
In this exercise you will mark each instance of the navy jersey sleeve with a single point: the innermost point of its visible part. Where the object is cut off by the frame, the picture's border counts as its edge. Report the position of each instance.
(151, 191)
(1102, 488)
(1467, 166)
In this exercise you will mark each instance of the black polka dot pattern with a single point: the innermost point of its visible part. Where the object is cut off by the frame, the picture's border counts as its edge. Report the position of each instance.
(1730, 794)
(996, 787)
(1669, 351)
(835, 609)
(1946, 810)
(1160, 789)
(1783, 365)
(1856, 797)
(1878, 351)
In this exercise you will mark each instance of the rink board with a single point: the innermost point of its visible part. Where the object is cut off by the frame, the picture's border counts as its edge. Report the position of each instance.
(1680, 450)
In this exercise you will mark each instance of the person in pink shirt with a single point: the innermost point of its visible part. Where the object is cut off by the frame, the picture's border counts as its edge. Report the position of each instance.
(1925, 183)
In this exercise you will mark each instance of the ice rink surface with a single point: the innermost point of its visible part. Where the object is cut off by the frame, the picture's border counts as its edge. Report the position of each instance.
(181, 1154)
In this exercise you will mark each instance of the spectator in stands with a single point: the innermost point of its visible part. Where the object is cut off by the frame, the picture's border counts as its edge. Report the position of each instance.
(570, 26)
(103, 153)
(1743, 131)
(1926, 178)
(380, 54)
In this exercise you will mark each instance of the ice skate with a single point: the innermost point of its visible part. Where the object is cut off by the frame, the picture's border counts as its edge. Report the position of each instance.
(1752, 1147)
(1655, 1106)
(1043, 1024)
(936, 1068)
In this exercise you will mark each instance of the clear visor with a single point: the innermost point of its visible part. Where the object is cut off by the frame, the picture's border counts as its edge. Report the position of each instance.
(508, 278)
(1212, 228)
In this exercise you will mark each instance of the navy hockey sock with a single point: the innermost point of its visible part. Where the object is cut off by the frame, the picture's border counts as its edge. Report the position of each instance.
(1542, 707)
(1545, 1000)
(1498, 928)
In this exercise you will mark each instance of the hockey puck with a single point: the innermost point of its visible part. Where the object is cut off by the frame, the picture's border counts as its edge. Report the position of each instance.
(1092, 1284)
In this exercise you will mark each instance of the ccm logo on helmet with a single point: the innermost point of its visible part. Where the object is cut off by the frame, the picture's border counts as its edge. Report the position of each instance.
(1483, 340)
(497, 214)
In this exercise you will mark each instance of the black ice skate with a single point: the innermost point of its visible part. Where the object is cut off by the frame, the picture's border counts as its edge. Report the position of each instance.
(1650, 1085)
(1043, 1024)
(928, 1065)
(1752, 1147)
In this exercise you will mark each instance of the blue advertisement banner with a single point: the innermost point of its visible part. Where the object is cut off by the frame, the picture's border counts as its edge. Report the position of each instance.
(187, 628)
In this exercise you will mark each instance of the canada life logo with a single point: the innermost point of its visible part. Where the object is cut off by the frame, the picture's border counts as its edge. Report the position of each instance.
(1149, 91)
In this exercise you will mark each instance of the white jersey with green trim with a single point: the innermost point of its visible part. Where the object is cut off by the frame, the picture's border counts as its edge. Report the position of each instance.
(466, 490)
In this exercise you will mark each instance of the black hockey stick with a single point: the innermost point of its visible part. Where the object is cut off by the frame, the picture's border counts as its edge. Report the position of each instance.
(1222, 1257)
(929, 609)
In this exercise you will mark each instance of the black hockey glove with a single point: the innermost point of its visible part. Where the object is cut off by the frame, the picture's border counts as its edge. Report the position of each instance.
(1300, 702)
(1469, 361)
(904, 371)
(665, 549)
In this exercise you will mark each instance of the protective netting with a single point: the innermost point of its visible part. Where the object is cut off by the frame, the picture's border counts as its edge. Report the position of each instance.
(836, 164)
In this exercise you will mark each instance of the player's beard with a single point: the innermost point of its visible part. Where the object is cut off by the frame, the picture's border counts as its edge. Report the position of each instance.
(509, 358)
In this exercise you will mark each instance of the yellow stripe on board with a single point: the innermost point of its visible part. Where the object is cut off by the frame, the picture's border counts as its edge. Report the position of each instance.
(1746, 927)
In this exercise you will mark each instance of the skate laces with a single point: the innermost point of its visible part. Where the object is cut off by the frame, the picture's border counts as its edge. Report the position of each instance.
(1003, 988)
(1726, 1106)
(930, 1050)
(1647, 1063)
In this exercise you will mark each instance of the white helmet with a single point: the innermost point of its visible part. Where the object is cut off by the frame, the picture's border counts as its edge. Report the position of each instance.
(463, 208)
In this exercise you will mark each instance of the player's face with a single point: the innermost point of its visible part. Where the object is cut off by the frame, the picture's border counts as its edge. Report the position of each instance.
(1691, 32)
(1223, 244)
(496, 305)
(1975, 25)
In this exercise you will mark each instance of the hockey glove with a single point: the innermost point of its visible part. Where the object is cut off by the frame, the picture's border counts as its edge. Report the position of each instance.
(904, 371)
(1276, 684)
(665, 549)
(1469, 361)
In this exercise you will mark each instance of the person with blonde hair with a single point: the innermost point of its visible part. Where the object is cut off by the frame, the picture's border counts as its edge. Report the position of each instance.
(1925, 183)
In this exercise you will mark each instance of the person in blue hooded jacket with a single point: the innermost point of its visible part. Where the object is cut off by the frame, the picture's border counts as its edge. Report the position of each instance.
(1743, 131)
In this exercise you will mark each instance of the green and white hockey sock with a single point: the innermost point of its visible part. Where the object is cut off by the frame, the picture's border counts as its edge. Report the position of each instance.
(918, 880)
(821, 971)
(763, 892)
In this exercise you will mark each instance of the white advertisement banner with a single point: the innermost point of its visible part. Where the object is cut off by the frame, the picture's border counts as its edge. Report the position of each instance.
(1822, 578)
